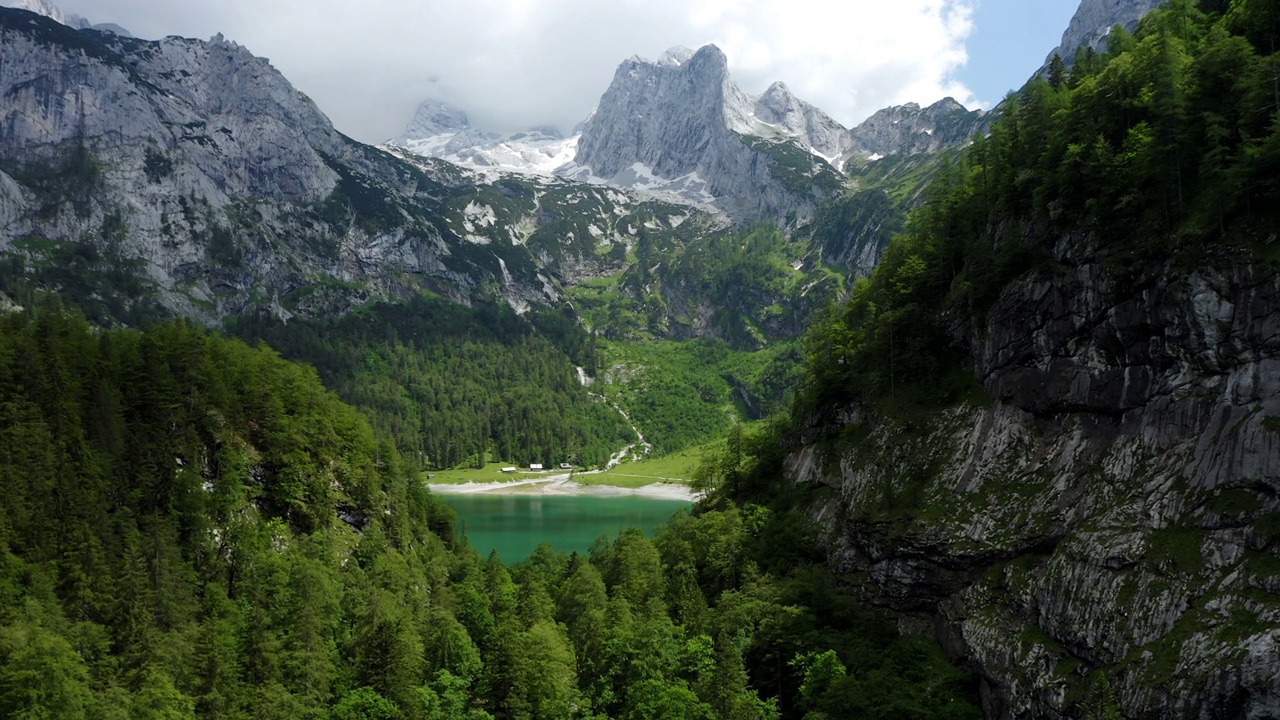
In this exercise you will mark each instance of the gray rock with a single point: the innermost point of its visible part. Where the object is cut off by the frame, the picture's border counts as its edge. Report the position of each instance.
(684, 120)
(1113, 508)
(227, 190)
(801, 121)
(680, 128)
(39, 7)
(1093, 22)
(912, 130)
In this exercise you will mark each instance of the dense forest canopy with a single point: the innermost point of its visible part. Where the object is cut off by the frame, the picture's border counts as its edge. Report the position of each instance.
(1164, 149)
(195, 528)
(455, 385)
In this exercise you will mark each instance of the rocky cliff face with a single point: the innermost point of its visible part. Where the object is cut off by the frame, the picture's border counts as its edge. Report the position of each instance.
(53, 12)
(681, 129)
(1116, 506)
(912, 130)
(1093, 22)
(198, 168)
(683, 122)
(790, 117)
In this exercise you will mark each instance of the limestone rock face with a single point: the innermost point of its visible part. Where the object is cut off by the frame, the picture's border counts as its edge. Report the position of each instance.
(798, 119)
(1093, 21)
(679, 128)
(912, 130)
(39, 7)
(1117, 505)
(199, 168)
(684, 121)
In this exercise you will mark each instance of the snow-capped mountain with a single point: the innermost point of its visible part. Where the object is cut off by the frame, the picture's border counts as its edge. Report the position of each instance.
(227, 191)
(681, 128)
(441, 131)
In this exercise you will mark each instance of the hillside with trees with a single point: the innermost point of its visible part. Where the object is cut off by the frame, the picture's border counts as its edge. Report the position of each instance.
(1047, 422)
(454, 385)
(1162, 153)
(195, 528)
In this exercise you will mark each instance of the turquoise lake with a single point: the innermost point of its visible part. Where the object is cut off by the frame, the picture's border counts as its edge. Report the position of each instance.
(515, 524)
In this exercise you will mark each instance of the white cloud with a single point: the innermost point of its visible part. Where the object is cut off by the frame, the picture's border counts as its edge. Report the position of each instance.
(513, 64)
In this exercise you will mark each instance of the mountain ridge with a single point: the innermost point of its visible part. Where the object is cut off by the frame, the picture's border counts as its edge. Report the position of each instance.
(225, 188)
(697, 158)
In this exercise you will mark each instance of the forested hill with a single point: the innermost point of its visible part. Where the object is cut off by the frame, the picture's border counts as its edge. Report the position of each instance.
(1158, 158)
(1050, 416)
(194, 528)
(454, 385)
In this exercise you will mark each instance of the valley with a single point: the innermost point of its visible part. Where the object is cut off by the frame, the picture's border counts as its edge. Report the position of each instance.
(709, 408)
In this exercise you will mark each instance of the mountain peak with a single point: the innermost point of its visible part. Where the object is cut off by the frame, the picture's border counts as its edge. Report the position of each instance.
(910, 129)
(712, 56)
(1093, 21)
(676, 56)
(948, 104)
(435, 117)
(54, 13)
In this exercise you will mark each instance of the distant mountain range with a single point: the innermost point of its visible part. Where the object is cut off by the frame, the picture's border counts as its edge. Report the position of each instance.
(681, 128)
(192, 175)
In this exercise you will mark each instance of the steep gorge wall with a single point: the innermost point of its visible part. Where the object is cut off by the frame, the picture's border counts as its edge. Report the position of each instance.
(1116, 506)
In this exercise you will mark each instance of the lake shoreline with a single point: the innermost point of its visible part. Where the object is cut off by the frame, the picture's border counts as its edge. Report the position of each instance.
(563, 485)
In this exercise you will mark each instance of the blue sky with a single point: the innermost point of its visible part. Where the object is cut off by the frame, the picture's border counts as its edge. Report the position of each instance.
(1010, 40)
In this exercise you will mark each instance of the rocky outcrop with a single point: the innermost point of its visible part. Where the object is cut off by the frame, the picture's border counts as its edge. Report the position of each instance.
(684, 121)
(1093, 22)
(1116, 506)
(794, 118)
(39, 7)
(912, 130)
(198, 170)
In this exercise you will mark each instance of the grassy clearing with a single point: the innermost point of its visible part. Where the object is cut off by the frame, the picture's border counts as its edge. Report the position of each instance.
(673, 468)
(677, 467)
(489, 473)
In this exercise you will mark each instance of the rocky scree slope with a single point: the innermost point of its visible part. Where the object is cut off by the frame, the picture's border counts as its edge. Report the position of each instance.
(1116, 507)
(199, 169)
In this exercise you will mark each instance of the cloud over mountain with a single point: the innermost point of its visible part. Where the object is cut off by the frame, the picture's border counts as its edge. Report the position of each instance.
(523, 63)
